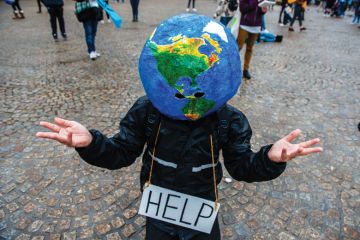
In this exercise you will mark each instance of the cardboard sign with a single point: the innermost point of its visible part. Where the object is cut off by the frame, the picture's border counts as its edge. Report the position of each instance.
(178, 208)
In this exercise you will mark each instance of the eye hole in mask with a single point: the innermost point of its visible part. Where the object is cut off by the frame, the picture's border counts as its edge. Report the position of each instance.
(199, 94)
(179, 96)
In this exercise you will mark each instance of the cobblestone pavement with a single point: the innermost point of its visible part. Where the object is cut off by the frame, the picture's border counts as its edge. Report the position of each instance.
(310, 81)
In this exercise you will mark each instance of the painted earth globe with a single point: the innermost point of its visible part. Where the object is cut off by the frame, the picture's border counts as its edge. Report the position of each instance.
(190, 66)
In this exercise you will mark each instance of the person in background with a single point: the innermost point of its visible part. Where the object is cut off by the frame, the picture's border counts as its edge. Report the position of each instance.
(56, 12)
(267, 36)
(39, 6)
(299, 8)
(90, 23)
(284, 4)
(135, 9)
(250, 27)
(107, 15)
(224, 12)
(193, 6)
(18, 12)
(356, 7)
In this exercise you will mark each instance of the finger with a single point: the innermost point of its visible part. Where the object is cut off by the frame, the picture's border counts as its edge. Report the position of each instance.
(50, 126)
(309, 143)
(51, 135)
(294, 134)
(63, 122)
(284, 154)
(307, 151)
(296, 153)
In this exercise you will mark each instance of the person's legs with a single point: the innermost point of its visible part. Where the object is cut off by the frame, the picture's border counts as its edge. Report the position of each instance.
(60, 16)
(136, 9)
(132, 2)
(249, 48)
(281, 12)
(52, 13)
(193, 5)
(300, 15)
(94, 24)
(39, 6)
(243, 35)
(297, 15)
(214, 234)
(88, 36)
(189, 3)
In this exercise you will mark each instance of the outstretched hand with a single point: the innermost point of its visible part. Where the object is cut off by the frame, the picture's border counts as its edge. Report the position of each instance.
(70, 133)
(283, 150)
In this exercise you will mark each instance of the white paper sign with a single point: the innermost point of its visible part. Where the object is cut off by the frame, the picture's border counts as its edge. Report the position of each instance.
(178, 208)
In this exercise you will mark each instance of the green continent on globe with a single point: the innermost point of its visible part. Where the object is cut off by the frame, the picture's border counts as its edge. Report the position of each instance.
(197, 107)
(182, 58)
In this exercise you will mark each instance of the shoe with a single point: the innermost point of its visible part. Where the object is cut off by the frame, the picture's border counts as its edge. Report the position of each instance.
(16, 15)
(188, 9)
(64, 35)
(281, 24)
(22, 14)
(194, 10)
(38, 11)
(246, 74)
(278, 38)
(291, 29)
(302, 29)
(92, 55)
(97, 54)
(55, 37)
(102, 21)
(109, 21)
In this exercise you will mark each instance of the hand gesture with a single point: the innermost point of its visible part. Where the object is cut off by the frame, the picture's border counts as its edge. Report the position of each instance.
(70, 133)
(264, 9)
(283, 150)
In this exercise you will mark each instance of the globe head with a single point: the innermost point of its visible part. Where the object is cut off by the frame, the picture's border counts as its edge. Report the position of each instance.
(190, 66)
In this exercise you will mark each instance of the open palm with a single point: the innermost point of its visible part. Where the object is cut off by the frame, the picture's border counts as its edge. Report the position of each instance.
(70, 133)
(283, 150)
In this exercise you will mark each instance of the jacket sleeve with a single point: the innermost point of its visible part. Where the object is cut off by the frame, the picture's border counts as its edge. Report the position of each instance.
(240, 161)
(123, 148)
(246, 6)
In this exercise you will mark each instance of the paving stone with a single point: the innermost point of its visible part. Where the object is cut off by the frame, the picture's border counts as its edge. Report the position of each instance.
(102, 228)
(35, 226)
(23, 237)
(69, 235)
(38, 238)
(117, 222)
(130, 213)
(86, 233)
(128, 230)
(113, 236)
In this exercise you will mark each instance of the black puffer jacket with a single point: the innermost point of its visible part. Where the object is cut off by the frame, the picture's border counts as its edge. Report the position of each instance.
(183, 154)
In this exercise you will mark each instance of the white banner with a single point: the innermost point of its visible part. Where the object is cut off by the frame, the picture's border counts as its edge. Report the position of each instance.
(178, 208)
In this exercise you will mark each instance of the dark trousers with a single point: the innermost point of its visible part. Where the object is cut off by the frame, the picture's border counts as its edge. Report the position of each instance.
(39, 5)
(135, 8)
(154, 231)
(90, 28)
(281, 12)
(57, 12)
(297, 14)
(16, 5)
(193, 3)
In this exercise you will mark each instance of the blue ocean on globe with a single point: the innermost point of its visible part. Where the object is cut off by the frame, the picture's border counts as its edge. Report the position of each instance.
(190, 66)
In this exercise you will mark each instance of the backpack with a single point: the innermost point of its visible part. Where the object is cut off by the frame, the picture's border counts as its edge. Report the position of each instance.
(153, 119)
(233, 5)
